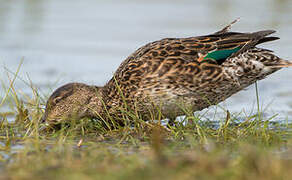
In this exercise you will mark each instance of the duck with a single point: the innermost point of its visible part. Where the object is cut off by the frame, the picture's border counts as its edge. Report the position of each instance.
(171, 77)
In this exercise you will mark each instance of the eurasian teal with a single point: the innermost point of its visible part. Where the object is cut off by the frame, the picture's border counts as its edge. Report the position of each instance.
(172, 74)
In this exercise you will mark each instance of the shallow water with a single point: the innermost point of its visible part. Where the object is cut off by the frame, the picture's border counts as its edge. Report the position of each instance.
(85, 41)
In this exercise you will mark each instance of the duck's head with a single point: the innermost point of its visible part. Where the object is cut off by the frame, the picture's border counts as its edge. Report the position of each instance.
(72, 101)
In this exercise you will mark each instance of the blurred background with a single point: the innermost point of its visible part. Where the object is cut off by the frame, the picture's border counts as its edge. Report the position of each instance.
(61, 41)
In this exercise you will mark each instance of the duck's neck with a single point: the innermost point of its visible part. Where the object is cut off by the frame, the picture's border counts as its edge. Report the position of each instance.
(96, 102)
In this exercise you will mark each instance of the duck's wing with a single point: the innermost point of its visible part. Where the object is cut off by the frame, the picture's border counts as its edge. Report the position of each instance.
(222, 45)
(217, 47)
(227, 28)
(160, 57)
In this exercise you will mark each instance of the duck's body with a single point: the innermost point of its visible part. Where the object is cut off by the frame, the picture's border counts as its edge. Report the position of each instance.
(178, 73)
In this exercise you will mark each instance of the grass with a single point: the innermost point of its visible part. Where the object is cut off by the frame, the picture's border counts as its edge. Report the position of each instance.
(229, 148)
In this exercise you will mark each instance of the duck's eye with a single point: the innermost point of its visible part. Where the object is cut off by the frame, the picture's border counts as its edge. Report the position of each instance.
(57, 100)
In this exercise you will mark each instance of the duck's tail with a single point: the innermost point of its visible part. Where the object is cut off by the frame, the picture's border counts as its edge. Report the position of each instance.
(280, 64)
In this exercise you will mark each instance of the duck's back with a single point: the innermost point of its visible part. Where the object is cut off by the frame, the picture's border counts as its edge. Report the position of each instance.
(193, 72)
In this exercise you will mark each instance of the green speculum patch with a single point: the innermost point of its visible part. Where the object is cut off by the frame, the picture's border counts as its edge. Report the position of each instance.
(221, 54)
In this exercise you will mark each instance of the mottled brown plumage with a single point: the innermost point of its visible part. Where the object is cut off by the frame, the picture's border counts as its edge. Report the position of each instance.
(73, 100)
(171, 75)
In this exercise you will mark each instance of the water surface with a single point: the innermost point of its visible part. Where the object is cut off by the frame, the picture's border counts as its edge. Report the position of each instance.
(61, 41)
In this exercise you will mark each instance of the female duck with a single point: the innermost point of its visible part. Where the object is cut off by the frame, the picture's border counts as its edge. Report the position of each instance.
(165, 78)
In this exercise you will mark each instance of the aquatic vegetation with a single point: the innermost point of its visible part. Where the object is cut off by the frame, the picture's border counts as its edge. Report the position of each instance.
(228, 148)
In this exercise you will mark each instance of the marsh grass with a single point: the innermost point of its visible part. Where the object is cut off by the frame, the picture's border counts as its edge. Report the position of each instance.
(227, 148)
